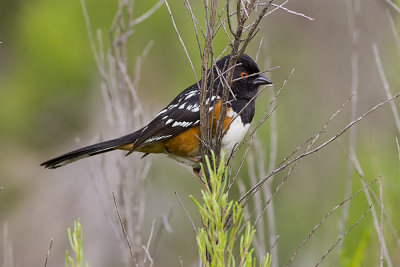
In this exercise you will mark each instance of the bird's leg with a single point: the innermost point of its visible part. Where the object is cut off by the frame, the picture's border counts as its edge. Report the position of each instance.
(199, 175)
(197, 171)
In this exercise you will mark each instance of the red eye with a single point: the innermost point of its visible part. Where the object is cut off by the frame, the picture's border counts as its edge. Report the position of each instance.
(243, 74)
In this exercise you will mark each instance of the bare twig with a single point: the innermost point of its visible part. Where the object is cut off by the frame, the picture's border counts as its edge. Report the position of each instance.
(48, 252)
(147, 247)
(164, 225)
(124, 113)
(394, 30)
(251, 137)
(353, 12)
(273, 148)
(187, 213)
(259, 48)
(259, 238)
(148, 13)
(326, 217)
(280, 168)
(292, 12)
(310, 141)
(139, 61)
(393, 5)
(360, 172)
(91, 40)
(244, 198)
(124, 231)
(398, 151)
(343, 236)
(386, 85)
(146, 250)
(181, 40)
(204, 86)
(381, 224)
(194, 22)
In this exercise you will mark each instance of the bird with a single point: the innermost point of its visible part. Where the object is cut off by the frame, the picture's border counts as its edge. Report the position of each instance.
(175, 130)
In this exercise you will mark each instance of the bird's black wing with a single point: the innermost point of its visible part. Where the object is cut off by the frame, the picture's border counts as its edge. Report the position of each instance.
(181, 114)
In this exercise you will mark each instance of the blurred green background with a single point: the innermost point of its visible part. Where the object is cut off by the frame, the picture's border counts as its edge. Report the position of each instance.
(50, 96)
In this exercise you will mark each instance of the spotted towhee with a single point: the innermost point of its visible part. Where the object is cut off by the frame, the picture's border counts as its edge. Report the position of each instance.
(175, 130)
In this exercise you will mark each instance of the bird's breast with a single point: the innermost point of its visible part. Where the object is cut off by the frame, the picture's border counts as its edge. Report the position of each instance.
(235, 133)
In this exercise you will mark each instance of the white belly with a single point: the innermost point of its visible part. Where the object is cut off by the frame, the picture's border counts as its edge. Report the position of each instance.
(235, 134)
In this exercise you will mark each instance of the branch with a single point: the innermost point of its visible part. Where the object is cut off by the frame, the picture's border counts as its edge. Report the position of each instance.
(343, 235)
(255, 188)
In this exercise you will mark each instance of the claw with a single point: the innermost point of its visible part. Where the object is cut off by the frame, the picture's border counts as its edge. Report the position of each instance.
(197, 172)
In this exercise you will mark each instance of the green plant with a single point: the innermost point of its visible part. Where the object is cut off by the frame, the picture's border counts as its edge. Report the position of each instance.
(75, 241)
(218, 246)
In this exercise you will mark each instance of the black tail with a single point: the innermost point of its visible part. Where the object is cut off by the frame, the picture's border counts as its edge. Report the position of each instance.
(91, 150)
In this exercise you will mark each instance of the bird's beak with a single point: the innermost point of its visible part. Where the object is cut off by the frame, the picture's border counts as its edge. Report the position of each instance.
(261, 79)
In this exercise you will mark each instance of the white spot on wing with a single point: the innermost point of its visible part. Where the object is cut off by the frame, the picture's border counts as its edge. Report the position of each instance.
(182, 106)
(193, 108)
(161, 112)
(190, 94)
(169, 121)
(182, 123)
(173, 106)
(212, 99)
(156, 138)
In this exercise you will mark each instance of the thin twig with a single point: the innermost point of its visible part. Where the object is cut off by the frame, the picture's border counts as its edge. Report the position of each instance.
(381, 224)
(148, 13)
(386, 86)
(343, 236)
(147, 247)
(194, 22)
(259, 48)
(187, 213)
(293, 12)
(280, 168)
(48, 252)
(181, 40)
(163, 225)
(393, 5)
(326, 217)
(251, 136)
(360, 173)
(273, 153)
(257, 200)
(398, 151)
(310, 141)
(353, 12)
(394, 30)
(314, 138)
(124, 231)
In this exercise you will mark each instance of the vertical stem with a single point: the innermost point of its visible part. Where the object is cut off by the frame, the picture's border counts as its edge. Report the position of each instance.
(204, 116)
(353, 14)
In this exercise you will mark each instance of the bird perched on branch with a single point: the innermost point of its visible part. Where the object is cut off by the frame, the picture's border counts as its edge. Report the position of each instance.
(175, 130)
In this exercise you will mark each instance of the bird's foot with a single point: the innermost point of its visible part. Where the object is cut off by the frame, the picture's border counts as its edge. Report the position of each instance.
(199, 175)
